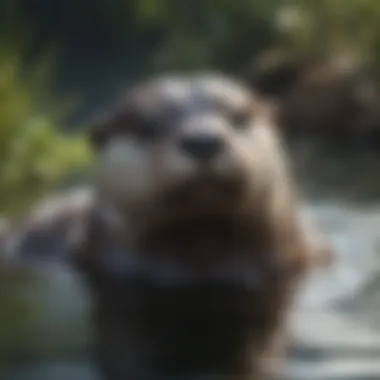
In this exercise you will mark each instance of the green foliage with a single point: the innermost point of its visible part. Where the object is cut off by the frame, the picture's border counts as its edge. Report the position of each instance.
(334, 29)
(141, 36)
(34, 155)
(209, 35)
(228, 33)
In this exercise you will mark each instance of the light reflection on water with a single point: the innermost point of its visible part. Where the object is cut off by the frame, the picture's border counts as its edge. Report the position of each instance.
(344, 196)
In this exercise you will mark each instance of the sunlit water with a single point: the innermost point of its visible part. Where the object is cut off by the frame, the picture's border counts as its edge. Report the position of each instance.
(343, 195)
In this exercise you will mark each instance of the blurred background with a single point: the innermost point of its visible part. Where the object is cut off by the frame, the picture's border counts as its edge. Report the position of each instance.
(62, 62)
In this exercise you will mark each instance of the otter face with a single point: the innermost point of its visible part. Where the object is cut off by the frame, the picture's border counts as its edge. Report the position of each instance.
(175, 134)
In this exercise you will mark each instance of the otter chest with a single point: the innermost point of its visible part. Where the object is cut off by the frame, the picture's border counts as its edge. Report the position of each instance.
(197, 302)
(202, 326)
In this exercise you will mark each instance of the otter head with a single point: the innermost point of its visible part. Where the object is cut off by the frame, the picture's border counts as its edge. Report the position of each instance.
(196, 143)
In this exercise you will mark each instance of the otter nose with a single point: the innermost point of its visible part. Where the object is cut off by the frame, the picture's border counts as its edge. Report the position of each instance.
(202, 146)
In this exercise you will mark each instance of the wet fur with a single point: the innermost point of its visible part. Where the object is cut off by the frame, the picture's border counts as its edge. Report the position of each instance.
(202, 286)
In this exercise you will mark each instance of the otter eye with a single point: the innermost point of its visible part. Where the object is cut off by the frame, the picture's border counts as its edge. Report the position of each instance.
(147, 130)
(240, 118)
(143, 128)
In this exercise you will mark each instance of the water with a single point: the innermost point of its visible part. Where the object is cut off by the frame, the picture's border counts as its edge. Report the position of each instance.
(336, 326)
(343, 195)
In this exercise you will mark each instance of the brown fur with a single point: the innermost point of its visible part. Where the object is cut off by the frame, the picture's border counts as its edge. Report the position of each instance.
(172, 297)
(192, 275)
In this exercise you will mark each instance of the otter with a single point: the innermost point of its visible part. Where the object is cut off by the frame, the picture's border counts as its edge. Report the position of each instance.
(193, 243)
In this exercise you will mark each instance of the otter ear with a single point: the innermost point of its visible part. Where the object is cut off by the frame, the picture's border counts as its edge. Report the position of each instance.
(273, 75)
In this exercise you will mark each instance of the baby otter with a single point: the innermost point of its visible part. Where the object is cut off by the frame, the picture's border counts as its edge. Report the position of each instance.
(194, 242)
(196, 272)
